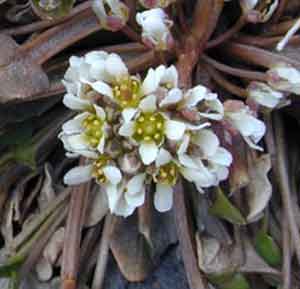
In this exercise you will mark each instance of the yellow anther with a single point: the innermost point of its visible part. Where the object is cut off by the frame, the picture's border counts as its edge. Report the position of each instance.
(159, 125)
(164, 174)
(157, 136)
(141, 119)
(96, 122)
(134, 96)
(172, 172)
(147, 138)
(152, 118)
(139, 131)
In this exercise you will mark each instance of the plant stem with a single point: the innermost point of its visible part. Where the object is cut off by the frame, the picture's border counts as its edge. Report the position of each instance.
(102, 258)
(71, 250)
(186, 241)
(284, 182)
(257, 56)
(223, 82)
(249, 74)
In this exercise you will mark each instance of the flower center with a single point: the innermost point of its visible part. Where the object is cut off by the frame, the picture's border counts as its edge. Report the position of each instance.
(127, 92)
(93, 130)
(167, 174)
(98, 166)
(149, 127)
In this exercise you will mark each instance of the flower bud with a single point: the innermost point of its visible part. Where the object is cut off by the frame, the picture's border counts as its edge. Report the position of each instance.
(156, 29)
(264, 95)
(112, 14)
(285, 78)
(130, 163)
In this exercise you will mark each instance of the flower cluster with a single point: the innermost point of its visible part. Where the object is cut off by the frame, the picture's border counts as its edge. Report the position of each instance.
(136, 131)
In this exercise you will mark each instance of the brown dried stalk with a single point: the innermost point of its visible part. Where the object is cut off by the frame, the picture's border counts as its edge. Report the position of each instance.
(102, 258)
(71, 252)
(257, 56)
(284, 182)
(187, 242)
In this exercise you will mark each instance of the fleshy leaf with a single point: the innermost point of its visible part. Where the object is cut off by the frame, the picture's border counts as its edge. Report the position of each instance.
(268, 249)
(224, 209)
(236, 281)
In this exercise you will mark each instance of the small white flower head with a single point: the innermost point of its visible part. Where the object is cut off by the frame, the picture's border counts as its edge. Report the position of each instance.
(261, 10)
(156, 29)
(149, 127)
(240, 117)
(156, 3)
(113, 81)
(85, 134)
(264, 95)
(201, 98)
(101, 169)
(112, 14)
(285, 78)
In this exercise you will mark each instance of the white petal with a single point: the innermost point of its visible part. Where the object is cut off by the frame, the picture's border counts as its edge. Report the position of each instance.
(173, 97)
(78, 175)
(137, 199)
(102, 88)
(148, 104)
(184, 144)
(207, 141)
(113, 195)
(163, 157)
(163, 198)
(115, 66)
(74, 125)
(136, 184)
(127, 129)
(73, 102)
(113, 174)
(101, 145)
(169, 76)
(128, 114)
(222, 157)
(148, 152)
(195, 95)
(150, 83)
(175, 129)
(187, 161)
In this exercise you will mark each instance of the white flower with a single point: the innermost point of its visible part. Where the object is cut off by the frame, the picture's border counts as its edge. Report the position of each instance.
(114, 81)
(124, 198)
(85, 134)
(264, 9)
(112, 14)
(210, 106)
(149, 127)
(264, 94)
(156, 28)
(285, 78)
(156, 3)
(241, 118)
(200, 146)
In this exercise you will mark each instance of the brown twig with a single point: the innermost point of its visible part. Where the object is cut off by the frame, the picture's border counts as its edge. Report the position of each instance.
(187, 242)
(286, 245)
(242, 73)
(284, 182)
(103, 253)
(223, 82)
(77, 212)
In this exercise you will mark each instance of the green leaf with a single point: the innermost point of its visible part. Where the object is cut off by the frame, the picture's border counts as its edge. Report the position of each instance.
(12, 266)
(224, 209)
(25, 154)
(268, 249)
(229, 281)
